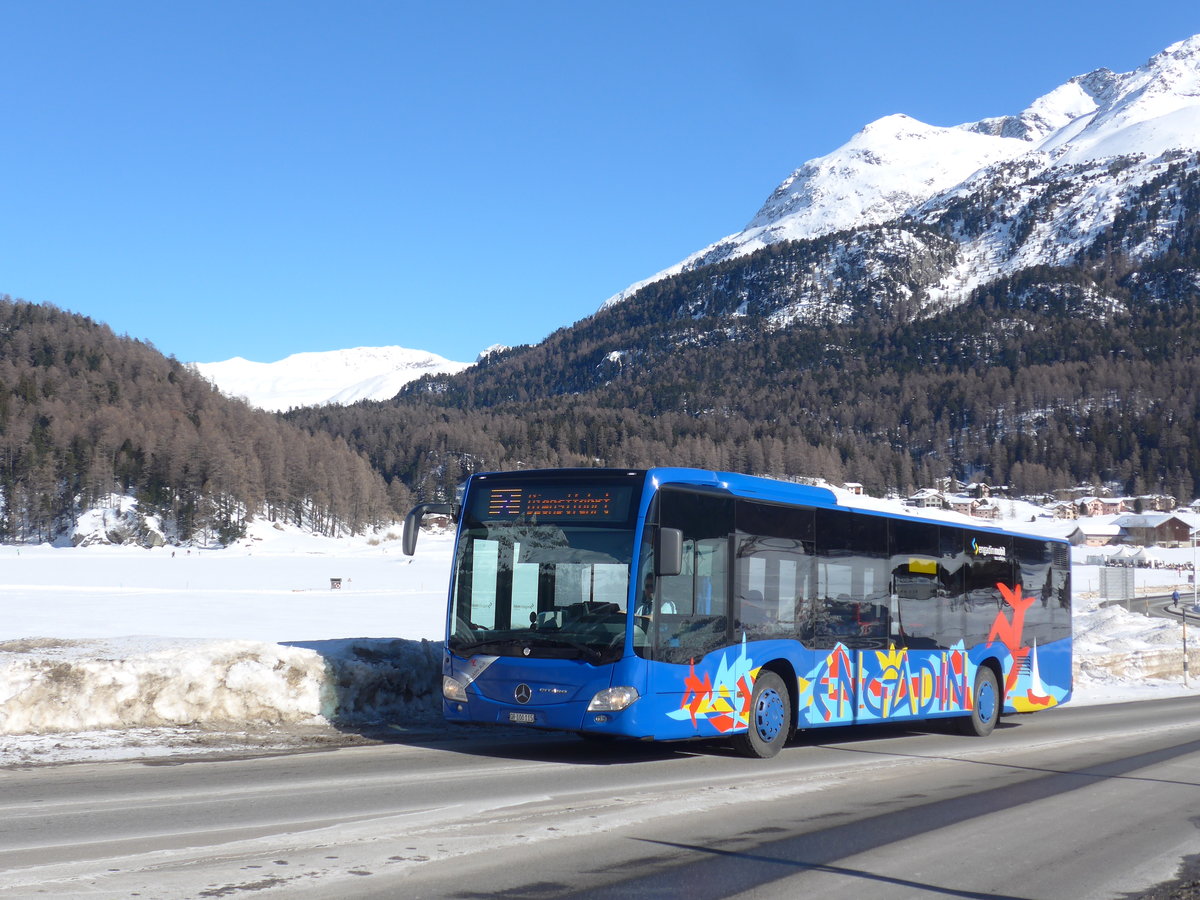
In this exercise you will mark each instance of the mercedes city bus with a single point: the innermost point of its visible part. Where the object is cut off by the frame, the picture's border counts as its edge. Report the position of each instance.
(671, 603)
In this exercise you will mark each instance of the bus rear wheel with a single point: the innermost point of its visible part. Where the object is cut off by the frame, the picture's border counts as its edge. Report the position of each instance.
(985, 712)
(770, 718)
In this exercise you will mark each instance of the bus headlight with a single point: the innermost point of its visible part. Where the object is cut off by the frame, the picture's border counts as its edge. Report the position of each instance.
(453, 689)
(613, 699)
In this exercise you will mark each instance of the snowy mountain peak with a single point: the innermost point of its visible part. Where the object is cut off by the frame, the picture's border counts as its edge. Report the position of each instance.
(1182, 56)
(335, 376)
(488, 352)
(1046, 115)
(889, 166)
(899, 166)
(1149, 111)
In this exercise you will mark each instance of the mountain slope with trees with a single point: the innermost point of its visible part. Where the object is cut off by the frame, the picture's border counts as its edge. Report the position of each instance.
(1081, 372)
(85, 414)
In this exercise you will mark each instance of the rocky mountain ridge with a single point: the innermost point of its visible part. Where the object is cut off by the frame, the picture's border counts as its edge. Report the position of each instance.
(1088, 145)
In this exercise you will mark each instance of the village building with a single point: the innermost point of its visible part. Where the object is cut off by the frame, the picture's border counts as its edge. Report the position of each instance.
(1091, 532)
(963, 505)
(1064, 510)
(980, 490)
(1102, 506)
(1148, 503)
(1159, 529)
(926, 498)
(987, 509)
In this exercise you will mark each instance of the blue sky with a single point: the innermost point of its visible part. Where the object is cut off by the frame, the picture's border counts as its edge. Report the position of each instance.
(257, 177)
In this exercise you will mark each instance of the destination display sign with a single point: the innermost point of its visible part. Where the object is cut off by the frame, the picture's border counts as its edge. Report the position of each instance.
(554, 503)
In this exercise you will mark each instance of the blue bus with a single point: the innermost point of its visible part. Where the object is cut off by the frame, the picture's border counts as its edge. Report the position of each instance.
(671, 603)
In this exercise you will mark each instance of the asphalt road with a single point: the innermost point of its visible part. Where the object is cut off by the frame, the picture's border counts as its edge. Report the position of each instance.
(1085, 802)
(1162, 606)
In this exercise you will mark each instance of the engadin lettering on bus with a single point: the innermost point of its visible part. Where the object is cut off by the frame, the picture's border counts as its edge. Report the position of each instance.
(986, 550)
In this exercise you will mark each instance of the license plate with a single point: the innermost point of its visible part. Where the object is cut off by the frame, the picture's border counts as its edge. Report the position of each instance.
(521, 718)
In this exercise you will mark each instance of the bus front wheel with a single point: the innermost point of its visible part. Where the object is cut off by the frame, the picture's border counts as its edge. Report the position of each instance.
(985, 712)
(770, 718)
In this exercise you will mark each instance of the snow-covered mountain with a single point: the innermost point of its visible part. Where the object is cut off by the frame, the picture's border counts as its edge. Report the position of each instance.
(315, 379)
(906, 216)
(1091, 143)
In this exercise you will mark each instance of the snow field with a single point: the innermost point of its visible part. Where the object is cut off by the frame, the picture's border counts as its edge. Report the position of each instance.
(76, 680)
(101, 640)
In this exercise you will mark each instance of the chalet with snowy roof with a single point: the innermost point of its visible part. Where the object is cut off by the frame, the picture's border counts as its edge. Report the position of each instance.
(986, 509)
(1101, 506)
(926, 498)
(1157, 529)
(1064, 509)
(1096, 533)
(1148, 503)
(960, 504)
(949, 485)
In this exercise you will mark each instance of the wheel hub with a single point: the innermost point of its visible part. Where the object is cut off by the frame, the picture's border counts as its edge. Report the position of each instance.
(769, 715)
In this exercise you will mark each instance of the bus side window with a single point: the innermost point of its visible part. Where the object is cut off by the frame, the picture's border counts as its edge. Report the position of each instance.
(918, 596)
(1044, 620)
(773, 584)
(989, 564)
(852, 580)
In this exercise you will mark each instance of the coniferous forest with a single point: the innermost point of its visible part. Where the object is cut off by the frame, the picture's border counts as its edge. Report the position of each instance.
(85, 414)
(1024, 387)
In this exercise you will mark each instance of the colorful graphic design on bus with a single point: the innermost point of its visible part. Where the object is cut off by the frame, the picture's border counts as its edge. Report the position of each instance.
(885, 684)
(848, 686)
(1023, 686)
(902, 683)
(723, 700)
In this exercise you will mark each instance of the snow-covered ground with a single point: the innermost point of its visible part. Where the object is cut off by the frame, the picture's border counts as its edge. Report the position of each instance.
(110, 651)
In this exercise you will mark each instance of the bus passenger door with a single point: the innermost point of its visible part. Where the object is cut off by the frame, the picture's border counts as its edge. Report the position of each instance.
(689, 612)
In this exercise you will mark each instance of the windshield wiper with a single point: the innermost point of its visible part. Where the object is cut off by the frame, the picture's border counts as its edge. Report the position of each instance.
(488, 642)
(584, 649)
(540, 640)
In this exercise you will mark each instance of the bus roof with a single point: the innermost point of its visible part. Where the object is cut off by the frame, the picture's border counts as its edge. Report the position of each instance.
(778, 491)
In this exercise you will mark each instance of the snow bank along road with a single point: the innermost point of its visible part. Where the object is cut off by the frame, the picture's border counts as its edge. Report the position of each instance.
(1085, 802)
(110, 650)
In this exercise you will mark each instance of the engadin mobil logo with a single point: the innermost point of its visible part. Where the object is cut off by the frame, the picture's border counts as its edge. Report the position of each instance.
(988, 549)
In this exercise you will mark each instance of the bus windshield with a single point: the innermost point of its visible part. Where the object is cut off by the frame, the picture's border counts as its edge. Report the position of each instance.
(542, 570)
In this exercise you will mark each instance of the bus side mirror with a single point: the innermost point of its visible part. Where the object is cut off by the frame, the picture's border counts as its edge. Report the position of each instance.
(668, 555)
(412, 522)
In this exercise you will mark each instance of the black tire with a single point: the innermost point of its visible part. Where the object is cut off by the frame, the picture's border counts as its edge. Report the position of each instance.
(988, 701)
(770, 718)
